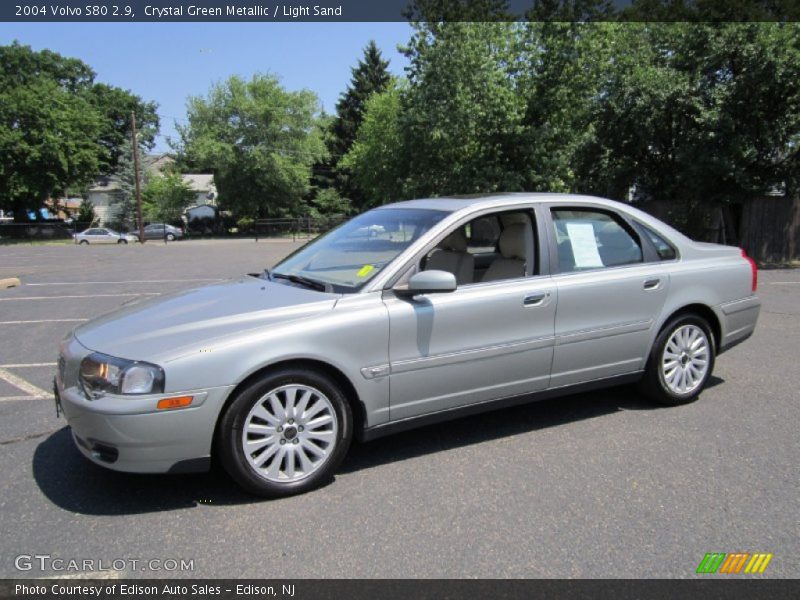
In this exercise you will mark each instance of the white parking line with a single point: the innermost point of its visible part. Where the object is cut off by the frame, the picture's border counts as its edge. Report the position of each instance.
(783, 282)
(80, 296)
(119, 282)
(43, 321)
(26, 365)
(20, 383)
(18, 398)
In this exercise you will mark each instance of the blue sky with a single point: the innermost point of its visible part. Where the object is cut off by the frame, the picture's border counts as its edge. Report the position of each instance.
(167, 62)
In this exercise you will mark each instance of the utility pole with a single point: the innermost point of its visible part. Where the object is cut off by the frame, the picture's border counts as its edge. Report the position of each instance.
(135, 143)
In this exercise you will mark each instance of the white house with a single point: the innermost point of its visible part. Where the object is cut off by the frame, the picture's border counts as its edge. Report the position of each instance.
(103, 193)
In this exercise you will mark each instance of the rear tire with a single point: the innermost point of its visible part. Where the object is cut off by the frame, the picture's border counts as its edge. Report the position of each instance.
(681, 361)
(286, 433)
(170, 237)
(122, 242)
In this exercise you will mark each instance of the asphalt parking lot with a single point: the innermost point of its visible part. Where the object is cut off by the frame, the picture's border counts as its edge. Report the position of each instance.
(594, 485)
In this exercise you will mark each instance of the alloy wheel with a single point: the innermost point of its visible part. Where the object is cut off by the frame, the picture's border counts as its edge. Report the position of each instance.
(289, 433)
(684, 363)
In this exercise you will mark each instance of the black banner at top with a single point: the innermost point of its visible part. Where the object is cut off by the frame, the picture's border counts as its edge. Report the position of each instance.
(165, 11)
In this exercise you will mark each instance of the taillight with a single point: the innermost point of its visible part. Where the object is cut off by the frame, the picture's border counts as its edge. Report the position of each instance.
(753, 269)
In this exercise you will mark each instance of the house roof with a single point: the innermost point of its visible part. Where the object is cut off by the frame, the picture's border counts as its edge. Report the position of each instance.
(154, 164)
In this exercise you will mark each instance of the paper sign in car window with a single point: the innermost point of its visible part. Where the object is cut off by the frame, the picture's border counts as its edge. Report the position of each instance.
(584, 245)
(365, 270)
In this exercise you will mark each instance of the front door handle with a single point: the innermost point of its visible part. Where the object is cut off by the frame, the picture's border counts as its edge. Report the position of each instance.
(534, 299)
(651, 284)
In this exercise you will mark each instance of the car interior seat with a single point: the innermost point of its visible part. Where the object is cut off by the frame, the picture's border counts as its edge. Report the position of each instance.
(516, 246)
(451, 255)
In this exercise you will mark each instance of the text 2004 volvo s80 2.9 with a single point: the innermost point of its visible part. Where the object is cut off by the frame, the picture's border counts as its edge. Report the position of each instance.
(410, 313)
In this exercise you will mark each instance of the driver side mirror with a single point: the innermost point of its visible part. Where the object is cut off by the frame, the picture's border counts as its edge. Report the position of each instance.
(428, 282)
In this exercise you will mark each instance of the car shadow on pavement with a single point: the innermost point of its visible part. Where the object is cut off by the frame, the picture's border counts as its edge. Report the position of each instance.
(497, 424)
(73, 483)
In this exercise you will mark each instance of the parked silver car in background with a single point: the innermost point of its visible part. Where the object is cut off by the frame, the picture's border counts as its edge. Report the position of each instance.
(411, 313)
(161, 231)
(103, 235)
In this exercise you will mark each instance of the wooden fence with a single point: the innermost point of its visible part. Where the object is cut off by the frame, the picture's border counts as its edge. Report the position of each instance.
(768, 228)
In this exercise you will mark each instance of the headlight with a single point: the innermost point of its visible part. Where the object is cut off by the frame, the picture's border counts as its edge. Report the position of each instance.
(101, 374)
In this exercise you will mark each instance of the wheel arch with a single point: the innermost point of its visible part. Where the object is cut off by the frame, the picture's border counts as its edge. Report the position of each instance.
(349, 390)
(701, 310)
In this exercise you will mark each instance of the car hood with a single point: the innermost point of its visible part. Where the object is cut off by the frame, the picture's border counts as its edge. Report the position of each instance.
(168, 326)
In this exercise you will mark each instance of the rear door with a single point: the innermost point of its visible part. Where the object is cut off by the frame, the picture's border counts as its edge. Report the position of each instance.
(611, 292)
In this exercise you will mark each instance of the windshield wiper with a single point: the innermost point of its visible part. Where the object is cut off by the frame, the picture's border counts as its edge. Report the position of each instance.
(306, 281)
(263, 275)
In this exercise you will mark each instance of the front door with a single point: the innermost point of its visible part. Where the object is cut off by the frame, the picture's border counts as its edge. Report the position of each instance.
(491, 338)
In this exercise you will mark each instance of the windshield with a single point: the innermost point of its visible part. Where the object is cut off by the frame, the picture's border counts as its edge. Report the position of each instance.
(349, 256)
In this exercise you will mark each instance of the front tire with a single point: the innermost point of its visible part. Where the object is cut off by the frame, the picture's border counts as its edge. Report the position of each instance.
(122, 242)
(84, 242)
(681, 361)
(285, 433)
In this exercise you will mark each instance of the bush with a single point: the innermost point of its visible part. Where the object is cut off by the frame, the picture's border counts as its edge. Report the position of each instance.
(245, 224)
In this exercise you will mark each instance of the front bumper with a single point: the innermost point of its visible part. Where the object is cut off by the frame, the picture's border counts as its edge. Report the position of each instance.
(131, 434)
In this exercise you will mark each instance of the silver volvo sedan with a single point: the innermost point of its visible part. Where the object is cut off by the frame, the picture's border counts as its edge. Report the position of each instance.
(409, 314)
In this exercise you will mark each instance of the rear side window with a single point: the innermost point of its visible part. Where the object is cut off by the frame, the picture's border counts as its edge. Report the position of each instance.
(589, 239)
(664, 249)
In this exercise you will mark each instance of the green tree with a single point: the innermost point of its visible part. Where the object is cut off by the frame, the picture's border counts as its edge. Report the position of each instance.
(124, 201)
(86, 212)
(116, 105)
(377, 158)
(462, 115)
(46, 144)
(562, 66)
(369, 76)
(166, 197)
(328, 203)
(56, 126)
(259, 140)
(698, 114)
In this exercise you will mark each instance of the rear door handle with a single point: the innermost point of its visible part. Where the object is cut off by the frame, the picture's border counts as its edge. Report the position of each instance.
(651, 284)
(534, 299)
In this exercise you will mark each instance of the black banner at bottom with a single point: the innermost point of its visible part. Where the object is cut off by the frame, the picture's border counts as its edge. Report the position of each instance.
(390, 589)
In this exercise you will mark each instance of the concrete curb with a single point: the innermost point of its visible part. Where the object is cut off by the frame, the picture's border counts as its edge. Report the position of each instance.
(9, 282)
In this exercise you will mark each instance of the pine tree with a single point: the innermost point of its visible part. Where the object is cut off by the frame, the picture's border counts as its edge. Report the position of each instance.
(125, 200)
(371, 75)
(86, 214)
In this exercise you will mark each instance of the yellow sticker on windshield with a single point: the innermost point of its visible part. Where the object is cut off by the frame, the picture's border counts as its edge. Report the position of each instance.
(365, 270)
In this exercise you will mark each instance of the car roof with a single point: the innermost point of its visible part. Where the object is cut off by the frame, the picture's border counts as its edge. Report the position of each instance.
(456, 203)
(453, 204)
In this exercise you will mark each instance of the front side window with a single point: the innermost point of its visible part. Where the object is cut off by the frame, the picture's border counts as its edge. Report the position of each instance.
(491, 247)
(589, 239)
(346, 258)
